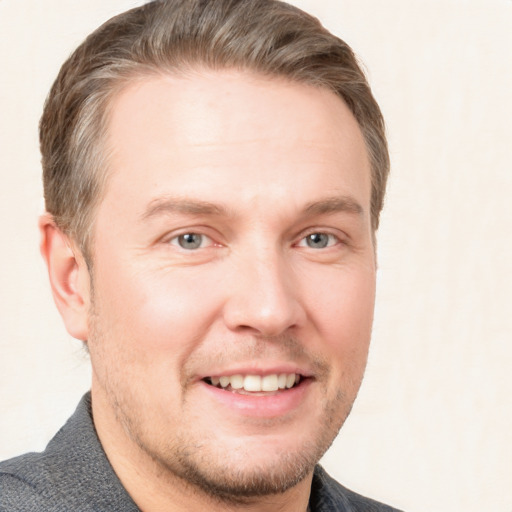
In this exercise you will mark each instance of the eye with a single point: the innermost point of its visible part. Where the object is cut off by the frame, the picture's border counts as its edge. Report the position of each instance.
(191, 241)
(318, 241)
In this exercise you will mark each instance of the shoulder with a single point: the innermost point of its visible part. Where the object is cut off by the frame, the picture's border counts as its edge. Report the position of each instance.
(44, 481)
(329, 495)
(73, 473)
(24, 484)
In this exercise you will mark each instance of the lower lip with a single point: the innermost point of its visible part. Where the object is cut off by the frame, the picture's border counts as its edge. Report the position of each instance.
(267, 406)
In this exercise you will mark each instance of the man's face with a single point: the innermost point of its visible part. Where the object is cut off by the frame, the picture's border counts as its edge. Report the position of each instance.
(233, 258)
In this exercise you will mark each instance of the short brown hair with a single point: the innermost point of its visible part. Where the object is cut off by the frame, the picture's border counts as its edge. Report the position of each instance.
(264, 36)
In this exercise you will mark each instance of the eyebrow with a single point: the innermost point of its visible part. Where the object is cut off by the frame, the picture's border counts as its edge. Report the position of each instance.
(334, 205)
(166, 205)
(169, 205)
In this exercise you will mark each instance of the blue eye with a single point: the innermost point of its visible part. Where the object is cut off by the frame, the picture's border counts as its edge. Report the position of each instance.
(318, 240)
(190, 241)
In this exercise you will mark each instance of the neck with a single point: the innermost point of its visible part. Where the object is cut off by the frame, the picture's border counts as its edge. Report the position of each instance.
(154, 493)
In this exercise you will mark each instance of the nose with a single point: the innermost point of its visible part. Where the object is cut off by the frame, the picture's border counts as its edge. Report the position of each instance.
(263, 296)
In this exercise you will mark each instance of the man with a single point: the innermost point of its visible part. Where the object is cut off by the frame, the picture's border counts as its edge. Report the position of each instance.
(214, 173)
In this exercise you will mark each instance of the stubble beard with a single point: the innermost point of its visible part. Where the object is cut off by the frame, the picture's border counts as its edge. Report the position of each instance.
(236, 484)
(197, 463)
(220, 475)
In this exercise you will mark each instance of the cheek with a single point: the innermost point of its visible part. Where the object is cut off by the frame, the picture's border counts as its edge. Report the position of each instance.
(343, 315)
(155, 311)
(144, 330)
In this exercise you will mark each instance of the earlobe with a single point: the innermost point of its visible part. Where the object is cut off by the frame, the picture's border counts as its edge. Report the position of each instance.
(69, 277)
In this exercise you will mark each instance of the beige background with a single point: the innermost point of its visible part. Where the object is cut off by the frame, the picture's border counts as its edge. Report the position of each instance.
(432, 428)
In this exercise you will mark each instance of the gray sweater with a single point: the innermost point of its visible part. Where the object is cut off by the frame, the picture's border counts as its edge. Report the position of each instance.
(74, 475)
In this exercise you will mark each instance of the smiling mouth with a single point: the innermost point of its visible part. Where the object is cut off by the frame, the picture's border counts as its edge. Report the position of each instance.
(248, 384)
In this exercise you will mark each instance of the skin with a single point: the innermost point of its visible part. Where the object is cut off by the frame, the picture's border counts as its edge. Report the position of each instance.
(253, 166)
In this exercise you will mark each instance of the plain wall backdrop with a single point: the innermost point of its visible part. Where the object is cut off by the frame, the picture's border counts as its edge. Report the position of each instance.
(432, 427)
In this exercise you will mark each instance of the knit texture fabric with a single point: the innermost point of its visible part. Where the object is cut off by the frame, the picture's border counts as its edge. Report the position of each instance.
(73, 474)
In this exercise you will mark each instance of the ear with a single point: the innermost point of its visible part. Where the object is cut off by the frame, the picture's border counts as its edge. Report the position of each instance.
(69, 277)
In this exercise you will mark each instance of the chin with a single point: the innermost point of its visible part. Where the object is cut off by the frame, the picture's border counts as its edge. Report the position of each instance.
(252, 466)
(239, 481)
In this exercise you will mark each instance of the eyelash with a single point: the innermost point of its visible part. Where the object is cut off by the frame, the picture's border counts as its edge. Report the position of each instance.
(175, 240)
(332, 240)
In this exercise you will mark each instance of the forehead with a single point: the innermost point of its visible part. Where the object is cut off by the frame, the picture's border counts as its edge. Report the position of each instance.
(232, 135)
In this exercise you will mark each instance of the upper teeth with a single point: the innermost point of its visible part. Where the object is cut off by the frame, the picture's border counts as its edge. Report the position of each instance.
(257, 383)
